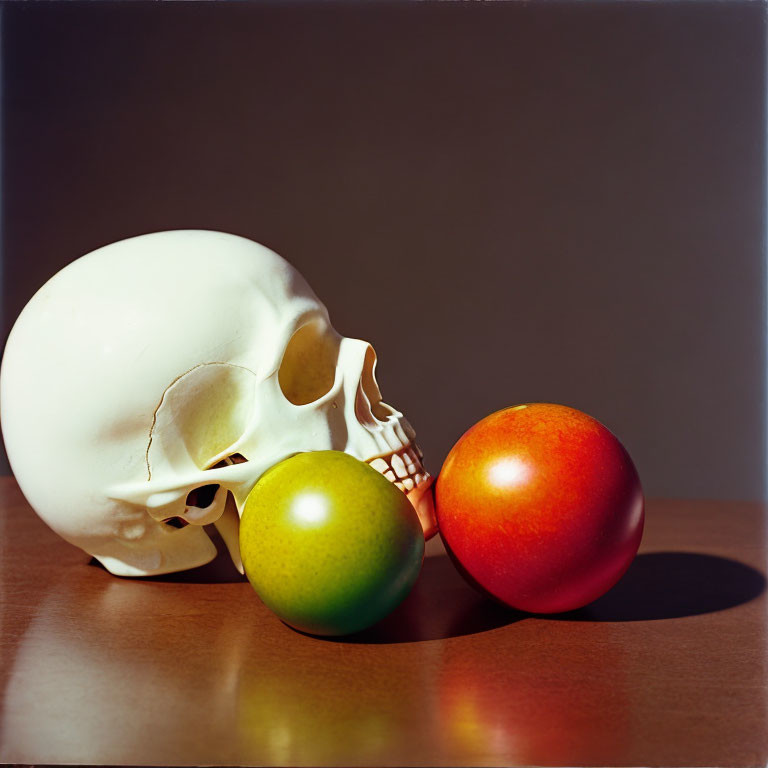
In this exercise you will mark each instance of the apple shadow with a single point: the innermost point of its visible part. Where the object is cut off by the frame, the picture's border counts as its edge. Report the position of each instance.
(441, 605)
(672, 585)
(658, 585)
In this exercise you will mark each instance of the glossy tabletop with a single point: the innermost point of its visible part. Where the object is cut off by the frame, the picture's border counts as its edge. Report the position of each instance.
(667, 669)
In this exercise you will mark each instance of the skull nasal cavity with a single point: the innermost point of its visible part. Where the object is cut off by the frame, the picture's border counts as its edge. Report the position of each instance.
(202, 497)
(308, 368)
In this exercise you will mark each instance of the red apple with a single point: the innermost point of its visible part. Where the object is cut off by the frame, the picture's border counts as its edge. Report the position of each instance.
(541, 506)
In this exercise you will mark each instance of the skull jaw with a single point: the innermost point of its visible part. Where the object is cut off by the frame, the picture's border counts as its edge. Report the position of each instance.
(162, 550)
(168, 550)
(423, 501)
(403, 468)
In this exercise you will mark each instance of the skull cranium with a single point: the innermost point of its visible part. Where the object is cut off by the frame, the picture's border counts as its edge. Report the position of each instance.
(148, 385)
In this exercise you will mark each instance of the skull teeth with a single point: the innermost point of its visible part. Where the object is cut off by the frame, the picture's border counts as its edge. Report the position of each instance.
(380, 465)
(403, 468)
(399, 466)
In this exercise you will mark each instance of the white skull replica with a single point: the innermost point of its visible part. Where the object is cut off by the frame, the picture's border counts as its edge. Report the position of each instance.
(147, 386)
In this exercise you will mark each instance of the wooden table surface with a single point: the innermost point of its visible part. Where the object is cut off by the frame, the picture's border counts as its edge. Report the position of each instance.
(667, 669)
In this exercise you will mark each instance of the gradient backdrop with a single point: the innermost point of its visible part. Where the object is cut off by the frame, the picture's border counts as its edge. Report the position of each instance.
(511, 201)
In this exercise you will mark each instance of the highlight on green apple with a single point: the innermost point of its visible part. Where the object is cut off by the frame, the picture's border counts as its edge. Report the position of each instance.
(329, 544)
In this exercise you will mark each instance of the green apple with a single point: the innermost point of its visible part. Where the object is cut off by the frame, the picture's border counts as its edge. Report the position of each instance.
(329, 544)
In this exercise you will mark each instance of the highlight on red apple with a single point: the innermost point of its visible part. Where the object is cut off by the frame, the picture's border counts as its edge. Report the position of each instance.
(540, 506)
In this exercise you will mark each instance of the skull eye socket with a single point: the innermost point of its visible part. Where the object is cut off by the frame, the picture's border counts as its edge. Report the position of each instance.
(371, 388)
(308, 368)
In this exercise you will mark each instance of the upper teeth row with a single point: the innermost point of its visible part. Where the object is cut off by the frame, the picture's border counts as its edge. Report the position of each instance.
(402, 467)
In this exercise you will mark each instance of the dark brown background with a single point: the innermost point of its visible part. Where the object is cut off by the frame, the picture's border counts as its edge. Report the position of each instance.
(513, 202)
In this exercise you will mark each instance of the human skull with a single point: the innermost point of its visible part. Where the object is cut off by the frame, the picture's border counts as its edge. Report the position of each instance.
(148, 385)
